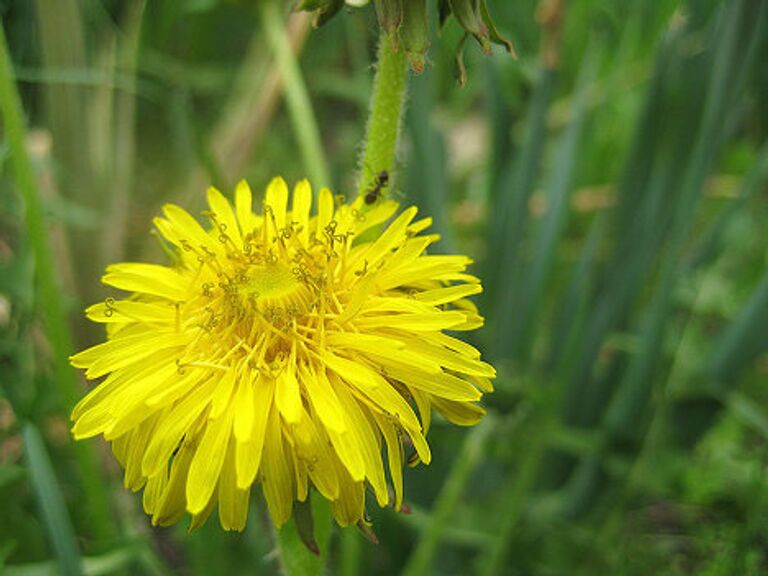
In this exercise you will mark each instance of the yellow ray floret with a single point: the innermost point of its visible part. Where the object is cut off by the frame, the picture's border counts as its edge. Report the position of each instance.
(284, 348)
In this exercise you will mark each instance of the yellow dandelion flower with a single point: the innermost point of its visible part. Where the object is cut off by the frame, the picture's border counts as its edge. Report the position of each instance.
(284, 348)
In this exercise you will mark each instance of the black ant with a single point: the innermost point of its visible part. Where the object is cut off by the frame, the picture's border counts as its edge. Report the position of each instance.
(381, 181)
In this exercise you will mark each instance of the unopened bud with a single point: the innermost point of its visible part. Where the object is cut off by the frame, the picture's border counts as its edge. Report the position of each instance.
(415, 33)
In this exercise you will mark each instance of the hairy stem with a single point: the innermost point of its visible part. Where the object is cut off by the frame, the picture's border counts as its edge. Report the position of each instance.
(385, 115)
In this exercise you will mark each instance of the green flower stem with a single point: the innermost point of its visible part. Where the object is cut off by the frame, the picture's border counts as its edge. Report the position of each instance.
(299, 106)
(385, 115)
(49, 293)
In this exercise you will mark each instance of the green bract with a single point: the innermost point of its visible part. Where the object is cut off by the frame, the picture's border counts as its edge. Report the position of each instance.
(406, 23)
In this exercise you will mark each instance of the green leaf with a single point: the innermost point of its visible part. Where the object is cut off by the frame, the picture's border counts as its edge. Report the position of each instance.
(50, 503)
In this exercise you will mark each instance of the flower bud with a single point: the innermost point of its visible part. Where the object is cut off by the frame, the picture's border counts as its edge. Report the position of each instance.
(467, 12)
(324, 9)
(390, 15)
(414, 33)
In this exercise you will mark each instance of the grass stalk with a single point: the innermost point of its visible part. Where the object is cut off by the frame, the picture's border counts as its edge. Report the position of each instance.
(124, 154)
(51, 503)
(467, 459)
(513, 500)
(48, 290)
(299, 105)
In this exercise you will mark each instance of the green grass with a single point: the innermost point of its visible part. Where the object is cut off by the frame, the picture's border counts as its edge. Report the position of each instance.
(615, 205)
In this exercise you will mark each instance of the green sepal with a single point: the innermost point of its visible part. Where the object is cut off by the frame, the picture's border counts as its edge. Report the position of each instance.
(366, 530)
(493, 32)
(305, 525)
(414, 33)
(323, 10)
(469, 15)
(443, 12)
(461, 69)
(309, 5)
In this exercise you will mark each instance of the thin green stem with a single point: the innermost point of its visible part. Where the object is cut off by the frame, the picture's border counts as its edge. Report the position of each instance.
(446, 502)
(51, 503)
(49, 293)
(386, 113)
(15, 132)
(513, 501)
(299, 106)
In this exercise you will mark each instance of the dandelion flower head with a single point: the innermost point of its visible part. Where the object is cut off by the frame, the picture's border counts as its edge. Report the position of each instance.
(282, 347)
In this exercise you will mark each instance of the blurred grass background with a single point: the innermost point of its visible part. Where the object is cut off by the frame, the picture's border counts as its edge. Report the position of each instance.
(610, 184)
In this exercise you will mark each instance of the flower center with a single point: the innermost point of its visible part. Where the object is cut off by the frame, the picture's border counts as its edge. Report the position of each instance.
(271, 282)
(275, 291)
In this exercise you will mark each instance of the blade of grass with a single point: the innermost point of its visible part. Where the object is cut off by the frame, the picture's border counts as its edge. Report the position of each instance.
(518, 314)
(349, 552)
(755, 178)
(427, 178)
(513, 501)
(299, 105)
(570, 319)
(124, 148)
(246, 116)
(48, 290)
(63, 47)
(510, 209)
(624, 419)
(742, 341)
(107, 564)
(69, 111)
(51, 503)
(466, 460)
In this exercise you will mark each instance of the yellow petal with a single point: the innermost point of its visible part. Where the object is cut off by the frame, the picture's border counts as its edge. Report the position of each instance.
(373, 386)
(276, 200)
(120, 352)
(394, 457)
(224, 217)
(367, 442)
(323, 399)
(245, 409)
(277, 476)
(312, 447)
(233, 501)
(288, 396)
(324, 210)
(177, 423)
(249, 454)
(393, 236)
(460, 413)
(130, 311)
(349, 508)
(448, 294)
(417, 322)
(334, 418)
(148, 279)
(302, 204)
(206, 465)
(190, 232)
(244, 208)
